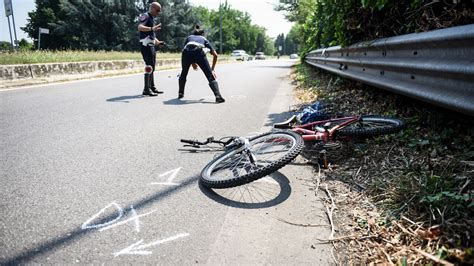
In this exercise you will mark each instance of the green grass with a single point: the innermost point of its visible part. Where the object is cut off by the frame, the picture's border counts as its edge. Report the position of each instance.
(35, 57)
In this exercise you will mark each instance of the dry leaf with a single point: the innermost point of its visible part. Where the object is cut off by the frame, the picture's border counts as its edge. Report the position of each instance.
(431, 233)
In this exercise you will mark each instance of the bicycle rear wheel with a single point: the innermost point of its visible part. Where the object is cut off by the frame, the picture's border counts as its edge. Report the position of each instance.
(271, 151)
(369, 126)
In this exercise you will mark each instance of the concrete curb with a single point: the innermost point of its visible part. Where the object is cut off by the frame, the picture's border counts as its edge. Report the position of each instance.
(30, 74)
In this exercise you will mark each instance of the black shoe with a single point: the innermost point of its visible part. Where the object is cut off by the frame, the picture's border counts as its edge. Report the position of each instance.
(219, 99)
(148, 93)
(180, 95)
(155, 90)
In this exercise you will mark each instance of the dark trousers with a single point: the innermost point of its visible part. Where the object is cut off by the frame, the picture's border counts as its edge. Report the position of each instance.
(149, 56)
(197, 56)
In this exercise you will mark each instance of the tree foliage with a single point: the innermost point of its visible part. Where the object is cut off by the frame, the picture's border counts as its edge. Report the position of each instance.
(46, 12)
(323, 23)
(288, 43)
(5, 46)
(112, 25)
(238, 32)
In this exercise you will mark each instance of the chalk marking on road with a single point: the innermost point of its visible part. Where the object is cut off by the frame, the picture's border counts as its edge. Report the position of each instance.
(86, 225)
(137, 249)
(169, 182)
(137, 221)
(134, 218)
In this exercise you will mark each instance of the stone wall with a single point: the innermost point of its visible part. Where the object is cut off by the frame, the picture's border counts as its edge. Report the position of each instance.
(48, 70)
(32, 74)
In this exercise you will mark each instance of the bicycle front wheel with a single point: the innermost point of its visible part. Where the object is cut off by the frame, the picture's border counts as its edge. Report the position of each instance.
(269, 152)
(369, 126)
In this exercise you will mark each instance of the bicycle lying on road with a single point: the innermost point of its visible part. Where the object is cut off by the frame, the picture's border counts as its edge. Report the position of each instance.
(246, 159)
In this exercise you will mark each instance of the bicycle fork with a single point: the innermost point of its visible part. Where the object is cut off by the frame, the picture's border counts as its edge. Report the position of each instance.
(247, 151)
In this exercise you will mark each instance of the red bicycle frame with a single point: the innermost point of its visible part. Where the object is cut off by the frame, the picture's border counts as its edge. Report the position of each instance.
(311, 135)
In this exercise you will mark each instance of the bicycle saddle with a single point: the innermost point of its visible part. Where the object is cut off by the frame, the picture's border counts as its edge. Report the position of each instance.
(286, 124)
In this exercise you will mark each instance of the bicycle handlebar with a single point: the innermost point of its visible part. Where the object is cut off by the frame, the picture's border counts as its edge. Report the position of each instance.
(192, 142)
(208, 140)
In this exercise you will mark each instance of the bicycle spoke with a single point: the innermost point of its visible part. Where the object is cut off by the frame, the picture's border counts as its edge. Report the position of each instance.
(253, 159)
(263, 148)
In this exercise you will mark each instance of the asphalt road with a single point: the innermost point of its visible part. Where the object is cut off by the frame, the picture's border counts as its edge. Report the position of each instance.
(91, 172)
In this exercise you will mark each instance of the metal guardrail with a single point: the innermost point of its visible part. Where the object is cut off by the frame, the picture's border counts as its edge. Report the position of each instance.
(435, 66)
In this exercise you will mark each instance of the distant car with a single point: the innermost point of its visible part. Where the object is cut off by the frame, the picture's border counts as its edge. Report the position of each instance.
(240, 55)
(294, 56)
(259, 56)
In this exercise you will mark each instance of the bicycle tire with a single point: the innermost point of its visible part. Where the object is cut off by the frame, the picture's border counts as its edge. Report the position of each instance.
(213, 174)
(369, 126)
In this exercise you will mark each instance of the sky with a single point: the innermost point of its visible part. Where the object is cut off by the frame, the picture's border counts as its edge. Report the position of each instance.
(261, 12)
(20, 11)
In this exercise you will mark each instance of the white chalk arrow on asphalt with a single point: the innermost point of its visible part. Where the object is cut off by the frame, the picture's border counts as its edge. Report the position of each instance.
(169, 182)
(137, 249)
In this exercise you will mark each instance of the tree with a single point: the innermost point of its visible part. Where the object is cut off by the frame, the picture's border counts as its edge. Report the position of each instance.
(112, 25)
(291, 41)
(5, 46)
(178, 20)
(97, 25)
(323, 23)
(238, 32)
(279, 42)
(46, 12)
(269, 47)
(25, 45)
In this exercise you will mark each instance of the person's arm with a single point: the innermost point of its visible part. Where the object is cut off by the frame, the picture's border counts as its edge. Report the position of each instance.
(144, 28)
(214, 59)
(158, 42)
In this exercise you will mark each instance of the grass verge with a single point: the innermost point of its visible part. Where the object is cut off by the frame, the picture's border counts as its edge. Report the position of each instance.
(45, 56)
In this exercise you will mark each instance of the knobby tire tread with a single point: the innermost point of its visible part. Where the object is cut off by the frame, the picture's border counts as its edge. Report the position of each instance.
(238, 181)
(393, 125)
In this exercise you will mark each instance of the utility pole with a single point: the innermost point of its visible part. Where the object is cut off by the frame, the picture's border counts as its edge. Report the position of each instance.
(8, 13)
(220, 27)
(14, 28)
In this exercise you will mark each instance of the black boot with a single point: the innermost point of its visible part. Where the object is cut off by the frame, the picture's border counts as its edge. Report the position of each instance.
(215, 88)
(147, 89)
(182, 83)
(152, 81)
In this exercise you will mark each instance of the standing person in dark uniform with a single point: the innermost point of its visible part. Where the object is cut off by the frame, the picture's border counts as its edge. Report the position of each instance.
(148, 41)
(194, 55)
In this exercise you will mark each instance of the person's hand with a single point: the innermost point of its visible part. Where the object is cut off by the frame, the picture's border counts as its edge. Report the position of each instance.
(214, 74)
(156, 27)
(195, 66)
(158, 42)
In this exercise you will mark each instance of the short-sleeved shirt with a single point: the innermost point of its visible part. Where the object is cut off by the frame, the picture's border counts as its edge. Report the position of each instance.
(146, 20)
(198, 40)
